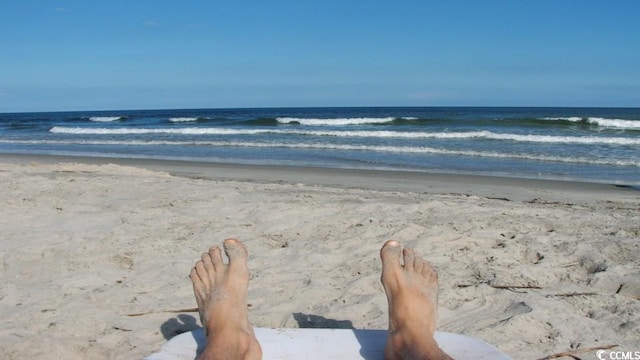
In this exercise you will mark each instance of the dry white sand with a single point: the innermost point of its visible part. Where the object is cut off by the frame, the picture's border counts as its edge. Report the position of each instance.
(83, 245)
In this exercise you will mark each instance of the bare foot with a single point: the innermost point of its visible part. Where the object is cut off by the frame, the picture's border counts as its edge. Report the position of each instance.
(221, 293)
(412, 292)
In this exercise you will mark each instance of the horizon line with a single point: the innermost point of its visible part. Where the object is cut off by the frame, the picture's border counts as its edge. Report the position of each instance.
(326, 107)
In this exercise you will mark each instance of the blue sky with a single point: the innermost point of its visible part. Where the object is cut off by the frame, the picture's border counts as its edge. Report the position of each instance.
(155, 54)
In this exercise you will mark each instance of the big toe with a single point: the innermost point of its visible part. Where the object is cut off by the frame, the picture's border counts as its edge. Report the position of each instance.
(236, 252)
(390, 255)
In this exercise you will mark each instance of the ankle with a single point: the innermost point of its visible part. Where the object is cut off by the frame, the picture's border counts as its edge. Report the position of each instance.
(403, 344)
(220, 330)
(232, 343)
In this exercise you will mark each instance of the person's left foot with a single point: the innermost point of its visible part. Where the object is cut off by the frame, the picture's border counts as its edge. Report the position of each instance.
(221, 293)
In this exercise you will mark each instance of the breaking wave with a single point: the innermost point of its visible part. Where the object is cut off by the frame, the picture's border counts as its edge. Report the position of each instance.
(598, 121)
(106, 118)
(184, 119)
(357, 134)
(341, 121)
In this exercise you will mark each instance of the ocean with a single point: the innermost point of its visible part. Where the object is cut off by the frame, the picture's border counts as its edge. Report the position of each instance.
(575, 144)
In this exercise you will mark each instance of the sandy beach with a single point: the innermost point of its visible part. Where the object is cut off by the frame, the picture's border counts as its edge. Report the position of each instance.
(533, 267)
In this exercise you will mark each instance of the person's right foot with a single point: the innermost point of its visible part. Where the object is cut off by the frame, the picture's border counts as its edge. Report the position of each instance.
(412, 293)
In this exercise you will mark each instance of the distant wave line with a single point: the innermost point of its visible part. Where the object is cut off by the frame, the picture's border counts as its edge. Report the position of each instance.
(106, 118)
(624, 124)
(589, 140)
(184, 119)
(335, 121)
(376, 148)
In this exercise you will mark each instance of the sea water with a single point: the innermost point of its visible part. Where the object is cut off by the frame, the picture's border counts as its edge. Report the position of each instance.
(575, 144)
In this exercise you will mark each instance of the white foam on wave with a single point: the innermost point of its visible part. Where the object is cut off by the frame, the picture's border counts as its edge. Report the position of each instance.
(604, 122)
(105, 118)
(336, 121)
(587, 140)
(570, 118)
(484, 135)
(140, 131)
(183, 119)
(346, 147)
(615, 123)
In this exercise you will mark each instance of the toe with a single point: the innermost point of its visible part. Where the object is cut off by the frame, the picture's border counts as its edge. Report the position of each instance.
(236, 251)
(429, 272)
(208, 262)
(237, 254)
(199, 289)
(418, 264)
(202, 274)
(391, 268)
(390, 255)
(216, 258)
(409, 256)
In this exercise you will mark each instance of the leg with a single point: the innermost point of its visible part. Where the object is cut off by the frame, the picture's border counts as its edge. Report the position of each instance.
(412, 292)
(221, 293)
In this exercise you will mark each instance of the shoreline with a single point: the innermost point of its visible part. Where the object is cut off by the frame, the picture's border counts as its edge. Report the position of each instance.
(518, 189)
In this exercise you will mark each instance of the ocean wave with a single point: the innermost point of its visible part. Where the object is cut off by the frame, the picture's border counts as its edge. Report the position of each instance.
(344, 147)
(335, 121)
(598, 121)
(184, 119)
(615, 123)
(141, 131)
(587, 140)
(106, 118)
(570, 118)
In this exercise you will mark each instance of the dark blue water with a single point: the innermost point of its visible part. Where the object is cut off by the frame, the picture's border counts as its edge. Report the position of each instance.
(578, 144)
